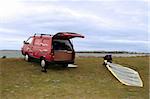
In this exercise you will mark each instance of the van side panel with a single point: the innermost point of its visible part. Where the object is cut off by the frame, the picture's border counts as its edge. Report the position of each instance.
(46, 49)
(37, 47)
(42, 48)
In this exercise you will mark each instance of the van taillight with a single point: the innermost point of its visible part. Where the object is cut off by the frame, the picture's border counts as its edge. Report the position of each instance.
(52, 52)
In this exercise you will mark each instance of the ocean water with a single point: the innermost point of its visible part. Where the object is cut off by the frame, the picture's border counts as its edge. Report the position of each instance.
(113, 54)
(11, 53)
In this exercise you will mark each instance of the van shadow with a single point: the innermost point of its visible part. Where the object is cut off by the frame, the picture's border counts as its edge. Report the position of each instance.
(50, 66)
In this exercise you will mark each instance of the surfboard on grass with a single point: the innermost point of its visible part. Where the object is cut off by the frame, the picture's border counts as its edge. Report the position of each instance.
(125, 75)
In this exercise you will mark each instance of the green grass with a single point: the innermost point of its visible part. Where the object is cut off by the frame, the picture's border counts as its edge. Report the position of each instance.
(91, 80)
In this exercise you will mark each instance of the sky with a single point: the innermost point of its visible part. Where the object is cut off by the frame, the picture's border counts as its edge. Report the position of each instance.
(108, 25)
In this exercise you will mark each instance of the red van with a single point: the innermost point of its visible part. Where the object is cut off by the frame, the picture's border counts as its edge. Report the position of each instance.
(50, 48)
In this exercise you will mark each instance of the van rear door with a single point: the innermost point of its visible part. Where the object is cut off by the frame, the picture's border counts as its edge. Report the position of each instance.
(63, 49)
(66, 35)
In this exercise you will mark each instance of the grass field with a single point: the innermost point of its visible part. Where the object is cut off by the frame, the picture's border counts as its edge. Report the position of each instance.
(91, 80)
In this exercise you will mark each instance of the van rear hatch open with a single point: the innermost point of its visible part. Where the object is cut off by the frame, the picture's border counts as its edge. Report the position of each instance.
(66, 35)
(62, 47)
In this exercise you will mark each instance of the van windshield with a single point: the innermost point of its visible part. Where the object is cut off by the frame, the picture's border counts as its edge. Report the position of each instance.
(29, 40)
(62, 45)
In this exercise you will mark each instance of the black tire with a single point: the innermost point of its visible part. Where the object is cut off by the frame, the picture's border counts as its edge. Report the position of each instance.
(65, 65)
(27, 58)
(43, 65)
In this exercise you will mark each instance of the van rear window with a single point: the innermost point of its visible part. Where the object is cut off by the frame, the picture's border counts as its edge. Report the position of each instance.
(62, 45)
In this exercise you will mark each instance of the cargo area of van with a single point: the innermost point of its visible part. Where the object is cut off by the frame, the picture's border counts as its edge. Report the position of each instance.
(63, 50)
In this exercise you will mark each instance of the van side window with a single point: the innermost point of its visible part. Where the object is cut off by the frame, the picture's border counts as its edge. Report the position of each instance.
(29, 40)
(37, 42)
(46, 42)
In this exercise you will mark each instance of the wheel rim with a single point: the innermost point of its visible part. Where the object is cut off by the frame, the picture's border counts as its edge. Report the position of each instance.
(26, 57)
(43, 63)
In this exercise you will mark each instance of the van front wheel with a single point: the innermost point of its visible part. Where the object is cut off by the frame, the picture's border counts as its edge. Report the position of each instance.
(27, 58)
(43, 65)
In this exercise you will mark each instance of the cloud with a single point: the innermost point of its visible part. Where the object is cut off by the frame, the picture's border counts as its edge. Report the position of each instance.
(102, 22)
(7, 30)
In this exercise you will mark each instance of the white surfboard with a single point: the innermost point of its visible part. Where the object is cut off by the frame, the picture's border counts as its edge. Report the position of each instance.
(125, 75)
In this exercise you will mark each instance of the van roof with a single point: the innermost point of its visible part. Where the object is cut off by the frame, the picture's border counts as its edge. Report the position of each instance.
(64, 35)
(42, 36)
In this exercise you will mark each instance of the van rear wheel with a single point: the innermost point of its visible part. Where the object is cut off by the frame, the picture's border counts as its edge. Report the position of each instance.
(43, 64)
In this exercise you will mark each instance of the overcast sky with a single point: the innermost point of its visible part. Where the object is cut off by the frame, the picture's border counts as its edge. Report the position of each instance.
(106, 24)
